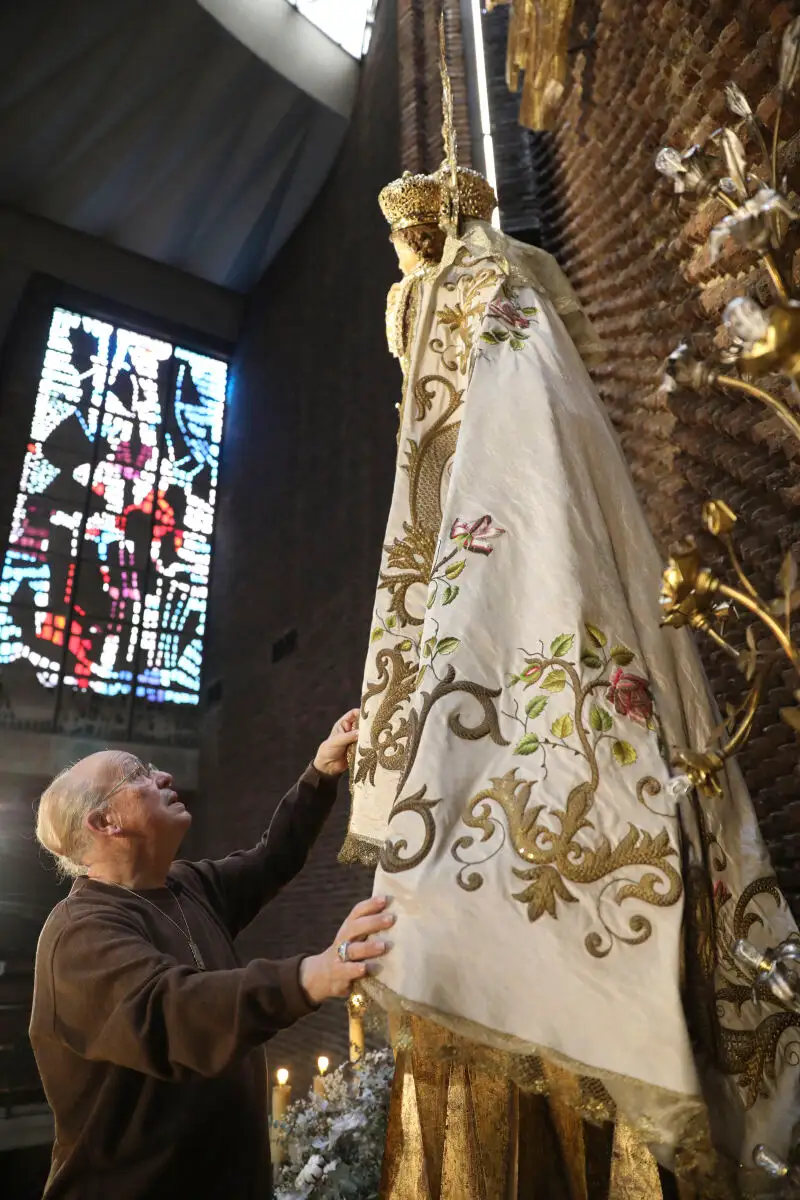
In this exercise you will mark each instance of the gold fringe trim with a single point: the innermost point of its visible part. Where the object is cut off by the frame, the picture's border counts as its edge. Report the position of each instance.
(360, 851)
(357, 851)
(539, 1070)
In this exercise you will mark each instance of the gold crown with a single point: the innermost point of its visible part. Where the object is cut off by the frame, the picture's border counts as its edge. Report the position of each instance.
(411, 200)
(417, 199)
(476, 198)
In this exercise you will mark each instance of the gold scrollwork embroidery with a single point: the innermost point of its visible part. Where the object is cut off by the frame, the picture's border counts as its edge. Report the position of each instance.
(409, 560)
(391, 856)
(389, 730)
(462, 318)
(550, 840)
(559, 859)
(718, 987)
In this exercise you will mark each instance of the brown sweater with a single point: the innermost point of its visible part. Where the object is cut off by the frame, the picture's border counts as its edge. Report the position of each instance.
(154, 1069)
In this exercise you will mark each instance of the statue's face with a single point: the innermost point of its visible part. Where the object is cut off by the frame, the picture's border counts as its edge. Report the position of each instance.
(408, 259)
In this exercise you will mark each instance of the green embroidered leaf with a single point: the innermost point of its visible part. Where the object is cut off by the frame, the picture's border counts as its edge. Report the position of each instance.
(600, 719)
(428, 648)
(502, 335)
(432, 596)
(591, 660)
(450, 593)
(560, 645)
(455, 569)
(562, 727)
(535, 708)
(376, 634)
(624, 753)
(406, 645)
(420, 676)
(556, 681)
(527, 745)
(621, 655)
(516, 344)
(596, 635)
(532, 674)
(448, 645)
(391, 621)
(490, 338)
(530, 312)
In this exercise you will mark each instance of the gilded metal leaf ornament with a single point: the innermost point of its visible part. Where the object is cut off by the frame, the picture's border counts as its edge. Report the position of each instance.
(789, 62)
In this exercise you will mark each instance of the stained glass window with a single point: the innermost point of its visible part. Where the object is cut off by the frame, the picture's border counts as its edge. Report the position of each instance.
(104, 585)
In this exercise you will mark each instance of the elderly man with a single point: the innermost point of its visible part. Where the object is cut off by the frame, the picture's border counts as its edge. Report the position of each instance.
(147, 1028)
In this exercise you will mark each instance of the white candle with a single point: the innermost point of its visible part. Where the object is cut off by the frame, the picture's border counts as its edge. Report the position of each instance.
(355, 1006)
(319, 1080)
(281, 1096)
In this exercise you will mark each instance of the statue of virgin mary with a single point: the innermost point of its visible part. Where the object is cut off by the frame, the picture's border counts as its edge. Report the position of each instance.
(567, 1004)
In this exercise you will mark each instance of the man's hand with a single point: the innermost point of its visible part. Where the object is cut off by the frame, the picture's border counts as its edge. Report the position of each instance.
(331, 757)
(323, 976)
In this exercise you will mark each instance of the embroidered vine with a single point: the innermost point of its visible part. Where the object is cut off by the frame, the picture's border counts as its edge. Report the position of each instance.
(470, 537)
(552, 841)
(410, 560)
(462, 318)
(514, 320)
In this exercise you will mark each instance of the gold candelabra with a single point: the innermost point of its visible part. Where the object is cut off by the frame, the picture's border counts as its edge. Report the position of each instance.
(763, 343)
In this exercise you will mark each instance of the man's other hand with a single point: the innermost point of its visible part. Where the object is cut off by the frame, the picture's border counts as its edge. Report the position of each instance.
(332, 973)
(331, 757)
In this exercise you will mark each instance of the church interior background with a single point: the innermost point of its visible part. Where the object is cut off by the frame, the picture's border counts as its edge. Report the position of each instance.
(181, 172)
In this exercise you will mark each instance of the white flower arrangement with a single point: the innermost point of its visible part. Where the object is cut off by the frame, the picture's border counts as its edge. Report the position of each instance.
(334, 1143)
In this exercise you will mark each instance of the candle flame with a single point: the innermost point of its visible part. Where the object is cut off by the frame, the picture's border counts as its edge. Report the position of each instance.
(282, 1076)
(323, 1064)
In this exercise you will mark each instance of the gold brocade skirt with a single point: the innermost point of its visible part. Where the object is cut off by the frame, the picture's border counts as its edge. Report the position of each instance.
(461, 1131)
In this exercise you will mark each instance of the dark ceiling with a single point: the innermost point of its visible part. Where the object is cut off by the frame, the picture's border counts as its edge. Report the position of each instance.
(146, 124)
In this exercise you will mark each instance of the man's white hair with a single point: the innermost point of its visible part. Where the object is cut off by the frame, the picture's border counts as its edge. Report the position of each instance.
(61, 820)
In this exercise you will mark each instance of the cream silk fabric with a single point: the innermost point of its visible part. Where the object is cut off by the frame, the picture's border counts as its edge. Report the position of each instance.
(520, 705)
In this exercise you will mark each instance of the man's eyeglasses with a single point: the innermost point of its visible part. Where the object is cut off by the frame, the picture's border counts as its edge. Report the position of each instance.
(139, 771)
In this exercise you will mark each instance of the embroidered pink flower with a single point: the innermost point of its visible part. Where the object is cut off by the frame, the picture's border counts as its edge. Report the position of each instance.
(509, 314)
(475, 535)
(630, 695)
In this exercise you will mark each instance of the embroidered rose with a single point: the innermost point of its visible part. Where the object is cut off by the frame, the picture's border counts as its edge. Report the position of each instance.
(509, 314)
(475, 535)
(630, 695)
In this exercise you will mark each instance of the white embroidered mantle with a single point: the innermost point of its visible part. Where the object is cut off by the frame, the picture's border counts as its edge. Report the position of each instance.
(520, 703)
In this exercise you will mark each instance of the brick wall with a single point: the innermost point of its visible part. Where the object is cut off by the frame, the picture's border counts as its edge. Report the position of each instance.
(652, 74)
(306, 477)
(420, 83)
